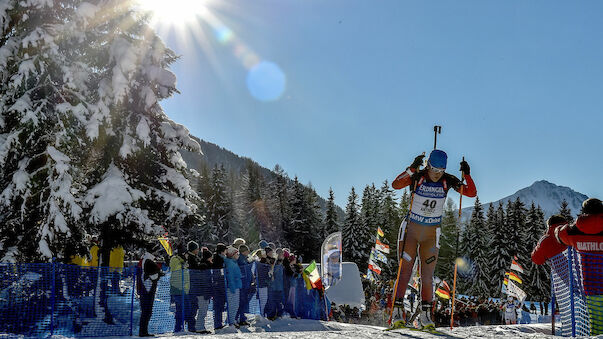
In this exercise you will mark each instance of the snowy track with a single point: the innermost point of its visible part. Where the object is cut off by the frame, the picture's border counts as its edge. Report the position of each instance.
(292, 328)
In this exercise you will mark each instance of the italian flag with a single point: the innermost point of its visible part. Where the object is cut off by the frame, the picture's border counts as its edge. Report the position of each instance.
(313, 275)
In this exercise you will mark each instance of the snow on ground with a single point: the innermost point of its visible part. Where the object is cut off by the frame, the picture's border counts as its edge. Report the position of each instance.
(294, 328)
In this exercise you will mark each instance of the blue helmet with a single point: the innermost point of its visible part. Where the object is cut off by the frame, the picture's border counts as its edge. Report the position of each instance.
(263, 244)
(438, 159)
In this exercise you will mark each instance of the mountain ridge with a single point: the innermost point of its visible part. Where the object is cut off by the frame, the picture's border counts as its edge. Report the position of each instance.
(543, 193)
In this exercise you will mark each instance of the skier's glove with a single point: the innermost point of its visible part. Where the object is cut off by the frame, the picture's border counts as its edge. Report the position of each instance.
(417, 162)
(465, 167)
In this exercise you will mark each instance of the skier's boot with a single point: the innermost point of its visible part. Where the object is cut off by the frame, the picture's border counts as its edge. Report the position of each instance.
(425, 317)
(398, 320)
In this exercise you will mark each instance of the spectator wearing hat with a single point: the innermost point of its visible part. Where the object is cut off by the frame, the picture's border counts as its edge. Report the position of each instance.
(179, 289)
(246, 283)
(263, 244)
(205, 289)
(238, 242)
(194, 266)
(263, 278)
(219, 285)
(146, 284)
(274, 306)
(233, 283)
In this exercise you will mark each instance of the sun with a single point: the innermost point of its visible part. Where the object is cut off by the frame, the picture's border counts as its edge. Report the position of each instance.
(174, 12)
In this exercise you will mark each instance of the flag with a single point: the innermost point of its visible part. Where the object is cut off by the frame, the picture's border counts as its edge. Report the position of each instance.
(514, 290)
(380, 232)
(379, 256)
(514, 277)
(381, 247)
(374, 267)
(313, 275)
(443, 291)
(516, 266)
(165, 242)
(506, 281)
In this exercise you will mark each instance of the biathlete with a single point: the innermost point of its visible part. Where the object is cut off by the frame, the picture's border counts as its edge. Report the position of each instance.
(429, 187)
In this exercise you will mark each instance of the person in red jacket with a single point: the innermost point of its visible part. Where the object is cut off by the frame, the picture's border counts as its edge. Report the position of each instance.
(548, 246)
(586, 234)
(429, 188)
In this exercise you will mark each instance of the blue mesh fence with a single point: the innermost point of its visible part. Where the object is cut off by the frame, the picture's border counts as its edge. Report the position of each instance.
(577, 279)
(39, 300)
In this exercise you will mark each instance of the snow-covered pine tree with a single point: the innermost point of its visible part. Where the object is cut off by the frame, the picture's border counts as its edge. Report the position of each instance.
(369, 209)
(448, 243)
(356, 239)
(278, 203)
(538, 276)
(137, 178)
(330, 222)
(491, 253)
(565, 211)
(478, 242)
(219, 206)
(499, 250)
(389, 221)
(84, 144)
(314, 223)
(404, 204)
(542, 279)
(252, 213)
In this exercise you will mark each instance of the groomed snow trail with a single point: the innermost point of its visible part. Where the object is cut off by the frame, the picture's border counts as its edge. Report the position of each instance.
(293, 328)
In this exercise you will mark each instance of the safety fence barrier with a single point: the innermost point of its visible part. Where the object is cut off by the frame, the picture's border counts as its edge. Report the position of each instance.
(577, 286)
(40, 300)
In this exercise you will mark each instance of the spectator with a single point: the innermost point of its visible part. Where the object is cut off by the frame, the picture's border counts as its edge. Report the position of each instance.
(263, 280)
(219, 285)
(548, 246)
(532, 308)
(194, 266)
(510, 312)
(275, 289)
(238, 242)
(149, 274)
(246, 280)
(116, 262)
(205, 295)
(179, 288)
(233, 284)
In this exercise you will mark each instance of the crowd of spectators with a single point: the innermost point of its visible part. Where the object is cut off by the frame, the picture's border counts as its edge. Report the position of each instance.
(230, 276)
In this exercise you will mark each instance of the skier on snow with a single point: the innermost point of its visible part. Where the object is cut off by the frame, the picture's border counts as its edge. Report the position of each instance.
(429, 188)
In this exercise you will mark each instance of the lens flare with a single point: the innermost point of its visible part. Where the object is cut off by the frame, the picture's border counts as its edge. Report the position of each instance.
(465, 267)
(266, 81)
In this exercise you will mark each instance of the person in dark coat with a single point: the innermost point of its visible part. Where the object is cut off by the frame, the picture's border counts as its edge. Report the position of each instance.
(246, 279)
(147, 286)
(219, 285)
(205, 289)
(194, 264)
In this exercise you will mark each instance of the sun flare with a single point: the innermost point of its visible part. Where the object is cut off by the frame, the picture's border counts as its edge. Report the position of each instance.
(174, 12)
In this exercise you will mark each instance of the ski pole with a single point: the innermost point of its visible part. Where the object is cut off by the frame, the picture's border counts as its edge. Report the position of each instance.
(456, 250)
(436, 130)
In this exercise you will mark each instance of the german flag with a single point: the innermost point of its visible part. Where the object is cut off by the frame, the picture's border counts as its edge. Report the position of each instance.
(443, 291)
(514, 277)
(380, 232)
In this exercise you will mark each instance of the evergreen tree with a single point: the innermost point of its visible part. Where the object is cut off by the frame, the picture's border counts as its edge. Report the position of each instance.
(369, 209)
(331, 224)
(499, 250)
(404, 204)
(565, 211)
(538, 278)
(389, 221)
(491, 252)
(476, 249)
(356, 239)
(278, 203)
(449, 243)
(86, 147)
(220, 206)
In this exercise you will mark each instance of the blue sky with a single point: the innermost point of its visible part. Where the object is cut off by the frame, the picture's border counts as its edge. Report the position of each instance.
(516, 85)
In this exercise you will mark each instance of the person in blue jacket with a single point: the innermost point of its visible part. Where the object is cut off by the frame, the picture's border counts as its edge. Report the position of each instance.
(246, 279)
(233, 283)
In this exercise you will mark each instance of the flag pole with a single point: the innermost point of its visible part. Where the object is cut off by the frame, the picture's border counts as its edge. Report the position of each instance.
(456, 250)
